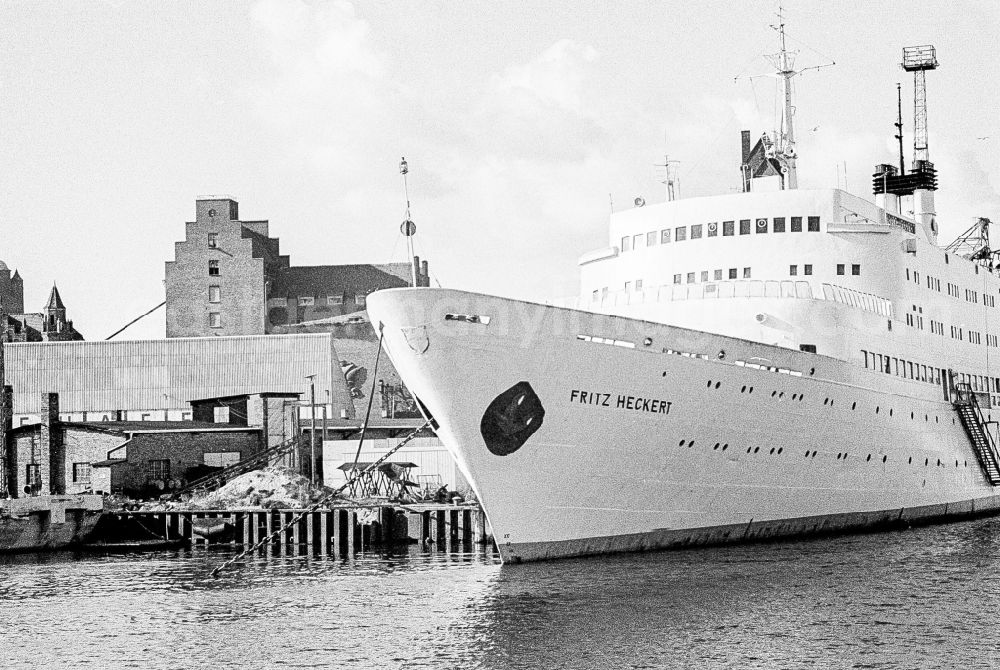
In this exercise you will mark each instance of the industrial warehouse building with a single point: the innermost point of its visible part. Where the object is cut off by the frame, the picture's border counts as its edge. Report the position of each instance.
(155, 380)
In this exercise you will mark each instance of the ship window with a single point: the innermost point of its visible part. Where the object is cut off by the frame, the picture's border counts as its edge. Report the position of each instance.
(855, 269)
(718, 275)
(746, 273)
(628, 287)
(677, 279)
(732, 273)
(704, 275)
(680, 234)
(807, 269)
(779, 224)
(636, 241)
(664, 236)
(744, 226)
(796, 224)
(727, 228)
(696, 231)
(713, 229)
(761, 225)
(793, 270)
(595, 297)
(690, 278)
(604, 294)
(840, 268)
(651, 239)
(626, 243)
(813, 224)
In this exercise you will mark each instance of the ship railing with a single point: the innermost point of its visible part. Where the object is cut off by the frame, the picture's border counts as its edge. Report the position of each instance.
(799, 290)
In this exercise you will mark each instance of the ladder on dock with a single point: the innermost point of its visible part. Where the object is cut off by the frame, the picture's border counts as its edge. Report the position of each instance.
(975, 427)
(254, 462)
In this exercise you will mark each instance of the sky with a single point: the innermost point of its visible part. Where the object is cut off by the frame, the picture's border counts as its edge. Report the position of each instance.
(524, 124)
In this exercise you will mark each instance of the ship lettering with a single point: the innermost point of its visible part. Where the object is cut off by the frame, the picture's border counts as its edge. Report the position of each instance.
(630, 402)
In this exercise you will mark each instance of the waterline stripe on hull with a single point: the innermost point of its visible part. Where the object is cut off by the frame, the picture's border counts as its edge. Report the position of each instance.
(750, 532)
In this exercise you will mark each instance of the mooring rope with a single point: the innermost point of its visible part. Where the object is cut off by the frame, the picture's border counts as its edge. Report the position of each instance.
(319, 503)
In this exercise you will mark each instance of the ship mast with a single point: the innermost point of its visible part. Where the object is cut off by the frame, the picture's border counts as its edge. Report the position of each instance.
(786, 144)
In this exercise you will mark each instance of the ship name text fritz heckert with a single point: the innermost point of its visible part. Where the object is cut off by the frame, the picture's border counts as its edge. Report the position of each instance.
(636, 403)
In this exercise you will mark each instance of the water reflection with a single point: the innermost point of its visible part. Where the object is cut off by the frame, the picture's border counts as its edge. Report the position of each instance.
(918, 598)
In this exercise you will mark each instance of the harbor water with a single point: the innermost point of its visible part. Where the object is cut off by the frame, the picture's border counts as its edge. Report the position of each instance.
(920, 598)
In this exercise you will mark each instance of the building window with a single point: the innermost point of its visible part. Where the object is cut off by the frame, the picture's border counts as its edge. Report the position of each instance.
(779, 224)
(220, 414)
(215, 320)
(718, 275)
(690, 278)
(704, 275)
(696, 231)
(840, 268)
(732, 273)
(713, 229)
(855, 269)
(222, 459)
(664, 236)
(746, 273)
(813, 224)
(213, 268)
(306, 301)
(651, 239)
(761, 225)
(796, 224)
(158, 468)
(677, 279)
(33, 476)
(727, 228)
(680, 234)
(744, 226)
(360, 300)
(213, 240)
(793, 270)
(807, 269)
(215, 294)
(626, 243)
(334, 300)
(81, 473)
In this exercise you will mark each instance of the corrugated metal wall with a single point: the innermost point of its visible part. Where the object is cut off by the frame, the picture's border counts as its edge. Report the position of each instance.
(166, 374)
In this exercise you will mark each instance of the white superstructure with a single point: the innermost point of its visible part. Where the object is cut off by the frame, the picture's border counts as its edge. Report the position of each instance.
(741, 366)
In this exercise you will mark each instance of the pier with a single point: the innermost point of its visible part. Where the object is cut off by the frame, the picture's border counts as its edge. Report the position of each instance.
(335, 531)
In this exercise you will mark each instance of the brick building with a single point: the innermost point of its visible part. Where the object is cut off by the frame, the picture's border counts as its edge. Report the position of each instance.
(228, 277)
(16, 325)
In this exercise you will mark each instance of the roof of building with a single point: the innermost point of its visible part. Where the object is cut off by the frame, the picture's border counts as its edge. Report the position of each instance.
(263, 394)
(320, 280)
(55, 301)
(3, 266)
(125, 428)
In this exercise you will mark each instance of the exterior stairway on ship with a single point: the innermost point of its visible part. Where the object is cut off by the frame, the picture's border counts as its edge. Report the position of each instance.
(983, 444)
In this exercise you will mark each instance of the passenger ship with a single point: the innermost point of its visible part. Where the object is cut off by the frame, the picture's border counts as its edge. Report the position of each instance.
(775, 362)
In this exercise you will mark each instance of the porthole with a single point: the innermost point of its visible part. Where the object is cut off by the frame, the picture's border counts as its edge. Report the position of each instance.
(664, 373)
(890, 411)
(781, 395)
(751, 390)
(756, 449)
(807, 453)
(838, 456)
(749, 449)
(774, 393)
(877, 409)
(682, 443)
(744, 389)
(814, 453)
(716, 446)
(718, 384)
(725, 446)
(690, 444)
(854, 405)
(812, 371)
(772, 451)
(709, 383)
(869, 458)
(885, 458)
(802, 396)
(780, 449)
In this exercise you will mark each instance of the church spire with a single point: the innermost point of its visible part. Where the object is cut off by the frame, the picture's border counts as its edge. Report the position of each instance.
(55, 301)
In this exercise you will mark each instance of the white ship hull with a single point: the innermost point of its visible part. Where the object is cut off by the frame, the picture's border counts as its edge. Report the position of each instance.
(637, 447)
